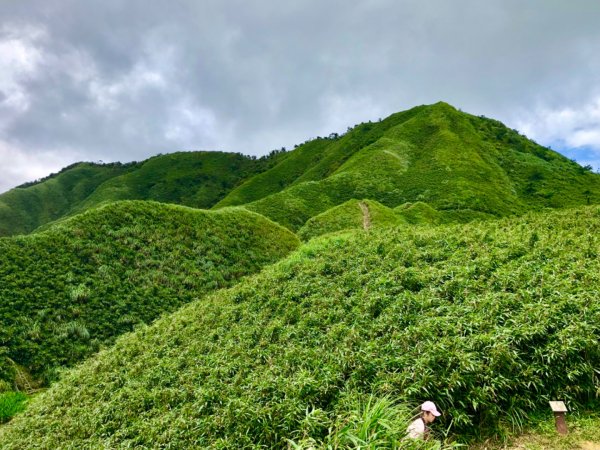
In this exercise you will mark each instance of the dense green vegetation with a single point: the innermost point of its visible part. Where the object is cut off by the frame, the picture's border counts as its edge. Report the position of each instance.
(197, 179)
(10, 404)
(350, 215)
(388, 302)
(490, 320)
(291, 167)
(462, 165)
(66, 291)
(28, 206)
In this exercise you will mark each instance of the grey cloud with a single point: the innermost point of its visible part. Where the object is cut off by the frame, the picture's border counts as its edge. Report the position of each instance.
(125, 80)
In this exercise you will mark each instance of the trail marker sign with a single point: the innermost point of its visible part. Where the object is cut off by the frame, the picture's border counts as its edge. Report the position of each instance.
(559, 409)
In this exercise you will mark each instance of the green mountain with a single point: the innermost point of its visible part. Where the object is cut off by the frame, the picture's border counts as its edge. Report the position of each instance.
(489, 319)
(465, 165)
(196, 179)
(28, 206)
(67, 291)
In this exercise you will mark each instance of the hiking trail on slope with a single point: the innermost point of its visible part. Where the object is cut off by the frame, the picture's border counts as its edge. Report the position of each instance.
(366, 215)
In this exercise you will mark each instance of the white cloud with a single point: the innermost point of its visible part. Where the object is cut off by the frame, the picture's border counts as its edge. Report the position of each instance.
(20, 58)
(338, 112)
(19, 166)
(126, 80)
(186, 122)
(572, 130)
(566, 126)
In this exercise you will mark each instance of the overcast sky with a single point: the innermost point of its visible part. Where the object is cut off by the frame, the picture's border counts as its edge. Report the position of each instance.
(116, 80)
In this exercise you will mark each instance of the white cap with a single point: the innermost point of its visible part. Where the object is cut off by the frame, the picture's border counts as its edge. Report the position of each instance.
(430, 406)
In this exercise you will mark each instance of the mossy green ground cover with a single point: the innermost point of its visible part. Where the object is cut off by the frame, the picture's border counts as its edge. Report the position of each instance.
(66, 291)
(490, 320)
(11, 403)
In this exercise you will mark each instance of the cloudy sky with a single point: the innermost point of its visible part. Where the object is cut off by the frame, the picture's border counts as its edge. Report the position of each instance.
(116, 80)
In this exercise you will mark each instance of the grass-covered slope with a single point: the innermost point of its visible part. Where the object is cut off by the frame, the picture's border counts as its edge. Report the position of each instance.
(196, 179)
(457, 163)
(435, 154)
(353, 214)
(490, 320)
(26, 207)
(314, 160)
(67, 290)
(290, 167)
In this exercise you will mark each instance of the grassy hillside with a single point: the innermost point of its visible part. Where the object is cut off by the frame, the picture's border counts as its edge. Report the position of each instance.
(455, 162)
(291, 167)
(353, 214)
(314, 160)
(461, 165)
(490, 320)
(25, 208)
(196, 179)
(66, 291)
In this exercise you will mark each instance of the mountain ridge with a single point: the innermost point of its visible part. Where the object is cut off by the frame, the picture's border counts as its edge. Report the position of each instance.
(430, 153)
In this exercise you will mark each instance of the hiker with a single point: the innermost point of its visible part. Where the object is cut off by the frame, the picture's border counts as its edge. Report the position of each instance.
(418, 429)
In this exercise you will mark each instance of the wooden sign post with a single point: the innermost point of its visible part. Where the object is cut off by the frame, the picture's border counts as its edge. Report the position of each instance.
(559, 409)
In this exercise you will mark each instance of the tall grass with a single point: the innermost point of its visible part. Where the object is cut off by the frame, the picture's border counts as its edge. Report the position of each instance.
(484, 319)
(371, 423)
(69, 290)
(11, 403)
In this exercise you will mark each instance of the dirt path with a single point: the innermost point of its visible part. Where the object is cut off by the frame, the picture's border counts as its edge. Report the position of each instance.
(537, 442)
(366, 215)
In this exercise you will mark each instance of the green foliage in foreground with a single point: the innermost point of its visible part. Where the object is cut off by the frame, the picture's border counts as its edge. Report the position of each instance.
(372, 423)
(490, 320)
(10, 404)
(66, 291)
(540, 433)
(349, 215)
